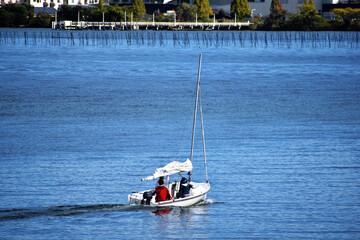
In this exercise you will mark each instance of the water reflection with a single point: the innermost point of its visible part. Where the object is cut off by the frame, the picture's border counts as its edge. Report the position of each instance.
(162, 211)
(184, 222)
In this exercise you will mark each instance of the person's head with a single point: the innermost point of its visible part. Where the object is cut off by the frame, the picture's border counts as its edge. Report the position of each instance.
(161, 181)
(162, 178)
(183, 181)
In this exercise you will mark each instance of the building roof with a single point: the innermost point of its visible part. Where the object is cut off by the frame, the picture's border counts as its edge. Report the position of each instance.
(48, 10)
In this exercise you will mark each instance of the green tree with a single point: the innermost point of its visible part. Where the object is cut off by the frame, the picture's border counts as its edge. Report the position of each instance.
(276, 7)
(308, 9)
(138, 8)
(276, 18)
(257, 23)
(114, 14)
(204, 9)
(42, 20)
(17, 15)
(71, 13)
(99, 11)
(306, 19)
(90, 14)
(187, 12)
(241, 8)
(221, 15)
(6, 18)
(30, 12)
(101, 6)
(163, 18)
(277, 13)
(347, 18)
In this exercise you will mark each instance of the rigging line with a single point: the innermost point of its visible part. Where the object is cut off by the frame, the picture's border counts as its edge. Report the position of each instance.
(203, 135)
(184, 136)
(137, 190)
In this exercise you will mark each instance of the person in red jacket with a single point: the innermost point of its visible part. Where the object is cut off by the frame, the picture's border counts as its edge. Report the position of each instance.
(162, 193)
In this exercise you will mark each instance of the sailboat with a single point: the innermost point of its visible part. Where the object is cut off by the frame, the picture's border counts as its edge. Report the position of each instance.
(198, 191)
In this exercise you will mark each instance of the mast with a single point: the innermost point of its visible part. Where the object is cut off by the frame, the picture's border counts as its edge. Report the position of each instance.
(195, 111)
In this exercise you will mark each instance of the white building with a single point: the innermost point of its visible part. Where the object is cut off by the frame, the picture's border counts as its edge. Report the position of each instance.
(46, 3)
(3, 2)
(262, 7)
(56, 3)
(52, 3)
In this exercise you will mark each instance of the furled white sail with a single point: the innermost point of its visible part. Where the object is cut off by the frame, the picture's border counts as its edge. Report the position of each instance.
(171, 168)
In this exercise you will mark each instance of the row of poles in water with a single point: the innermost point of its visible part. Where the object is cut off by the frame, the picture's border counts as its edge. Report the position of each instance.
(183, 38)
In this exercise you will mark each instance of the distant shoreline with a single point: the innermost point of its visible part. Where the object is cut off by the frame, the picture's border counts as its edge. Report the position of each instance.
(189, 30)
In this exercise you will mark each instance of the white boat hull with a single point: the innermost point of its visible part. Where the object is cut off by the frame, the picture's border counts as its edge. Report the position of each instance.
(197, 195)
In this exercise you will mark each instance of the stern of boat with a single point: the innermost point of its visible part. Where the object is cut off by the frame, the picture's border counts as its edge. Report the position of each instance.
(135, 198)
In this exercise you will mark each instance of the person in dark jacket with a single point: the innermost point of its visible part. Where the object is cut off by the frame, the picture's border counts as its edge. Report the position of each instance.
(184, 188)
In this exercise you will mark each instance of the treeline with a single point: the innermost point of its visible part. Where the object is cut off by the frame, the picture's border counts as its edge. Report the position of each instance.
(201, 11)
(110, 13)
(307, 19)
(22, 15)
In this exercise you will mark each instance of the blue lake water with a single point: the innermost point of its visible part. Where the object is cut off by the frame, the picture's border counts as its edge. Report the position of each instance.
(85, 115)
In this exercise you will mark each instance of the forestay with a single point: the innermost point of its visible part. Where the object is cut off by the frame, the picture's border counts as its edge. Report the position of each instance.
(171, 168)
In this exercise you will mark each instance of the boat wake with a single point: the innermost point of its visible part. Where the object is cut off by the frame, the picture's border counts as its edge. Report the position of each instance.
(206, 202)
(70, 210)
(67, 210)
